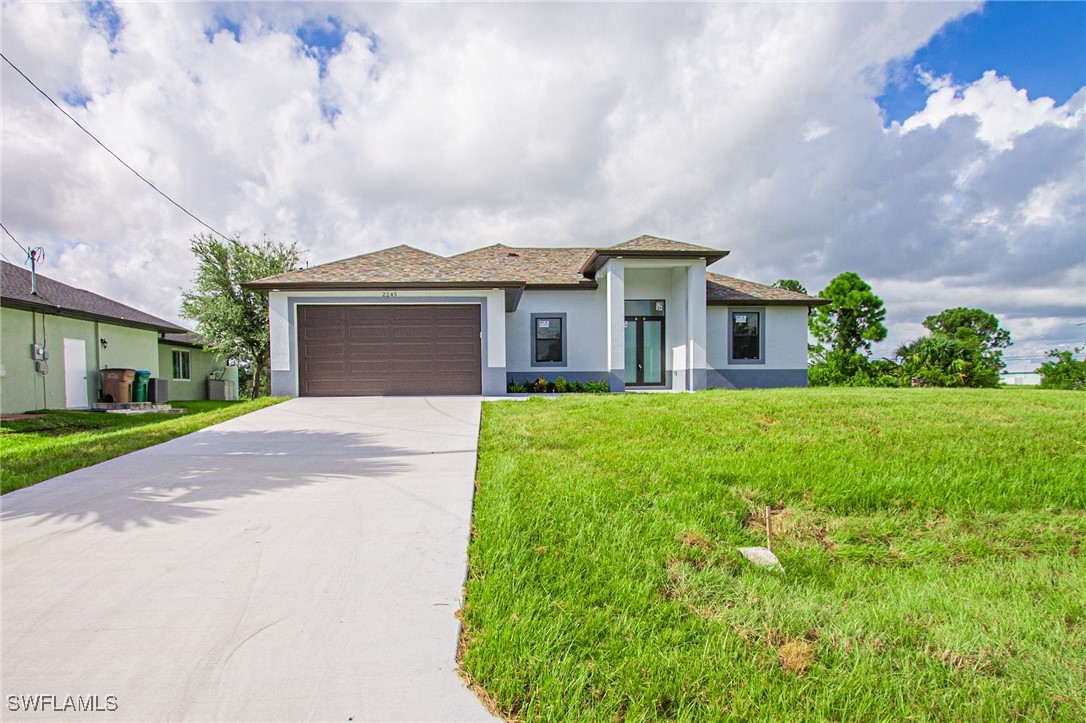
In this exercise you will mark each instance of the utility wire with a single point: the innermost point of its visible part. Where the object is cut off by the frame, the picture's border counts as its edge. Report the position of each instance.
(13, 239)
(110, 152)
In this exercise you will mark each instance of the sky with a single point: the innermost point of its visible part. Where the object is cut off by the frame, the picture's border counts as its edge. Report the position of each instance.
(937, 149)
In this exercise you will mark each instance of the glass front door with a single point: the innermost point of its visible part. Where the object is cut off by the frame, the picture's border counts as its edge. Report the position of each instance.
(644, 351)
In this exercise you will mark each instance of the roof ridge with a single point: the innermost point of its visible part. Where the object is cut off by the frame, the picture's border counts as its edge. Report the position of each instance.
(654, 237)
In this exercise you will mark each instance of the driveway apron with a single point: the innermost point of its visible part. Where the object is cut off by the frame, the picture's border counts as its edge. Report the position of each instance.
(303, 562)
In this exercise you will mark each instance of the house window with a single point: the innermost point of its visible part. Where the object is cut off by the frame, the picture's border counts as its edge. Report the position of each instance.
(747, 337)
(181, 365)
(548, 339)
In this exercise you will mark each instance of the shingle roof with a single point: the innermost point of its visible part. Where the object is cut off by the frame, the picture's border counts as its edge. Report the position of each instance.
(728, 290)
(397, 264)
(493, 265)
(649, 247)
(550, 266)
(655, 243)
(189, 338)
(57, 298)
(510, 266)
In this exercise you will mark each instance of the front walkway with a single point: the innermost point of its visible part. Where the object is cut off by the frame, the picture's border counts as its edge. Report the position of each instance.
(303, 562)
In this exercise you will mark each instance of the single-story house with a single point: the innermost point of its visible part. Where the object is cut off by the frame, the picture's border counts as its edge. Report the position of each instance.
(640, 315)
(189, 365)
(56, 338)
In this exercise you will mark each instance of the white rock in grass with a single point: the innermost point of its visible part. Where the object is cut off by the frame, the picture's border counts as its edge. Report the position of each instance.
(762, 557)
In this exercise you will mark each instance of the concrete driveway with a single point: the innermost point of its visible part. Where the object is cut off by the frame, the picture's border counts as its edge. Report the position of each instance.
(303, 562)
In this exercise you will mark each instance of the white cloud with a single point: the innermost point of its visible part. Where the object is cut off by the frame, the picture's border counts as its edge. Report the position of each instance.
(751, 127)
(1002, 111)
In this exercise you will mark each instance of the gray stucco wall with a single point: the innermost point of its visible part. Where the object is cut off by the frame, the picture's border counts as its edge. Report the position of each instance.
(755, 378)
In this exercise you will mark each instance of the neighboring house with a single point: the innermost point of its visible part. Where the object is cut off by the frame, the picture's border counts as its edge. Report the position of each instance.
(1019, 379)
(81, 333)
(183, 360)
(641, 315)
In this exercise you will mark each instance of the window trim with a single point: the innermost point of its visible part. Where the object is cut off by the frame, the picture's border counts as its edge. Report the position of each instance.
(565, 333)
(186, 367)
(730, 331)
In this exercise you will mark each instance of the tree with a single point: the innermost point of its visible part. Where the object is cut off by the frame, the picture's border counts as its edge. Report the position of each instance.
(846, 328)
(790, 285)
(1066, 372)
(976, 329)
(964, 349)
(942, 360)
(233, 320)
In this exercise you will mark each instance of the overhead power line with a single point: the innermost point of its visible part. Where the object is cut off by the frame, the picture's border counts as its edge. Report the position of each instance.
(110, 152)
(14, 240)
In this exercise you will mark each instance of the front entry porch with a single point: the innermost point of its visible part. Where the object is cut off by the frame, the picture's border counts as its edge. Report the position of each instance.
(656, 323)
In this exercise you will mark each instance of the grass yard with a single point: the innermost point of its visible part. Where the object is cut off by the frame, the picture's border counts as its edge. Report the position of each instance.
(32, 450)
(932, 541)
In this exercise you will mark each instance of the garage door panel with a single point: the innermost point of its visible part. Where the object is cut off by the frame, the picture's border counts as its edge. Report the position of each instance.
(321, 333)
(389, 349)
(454, 349)
(372, 369)
(372, 335)
(321, 349)
(424, 333)
(322, 314)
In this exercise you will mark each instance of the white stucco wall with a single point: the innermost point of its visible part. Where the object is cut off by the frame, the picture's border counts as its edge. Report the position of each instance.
(586, 331)
(682, 286)
(785, 329)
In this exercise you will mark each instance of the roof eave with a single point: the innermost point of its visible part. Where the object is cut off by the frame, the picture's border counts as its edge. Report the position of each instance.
(189, 344)
(767, 302)
(319, 285)
(594, 261)
(586, 285)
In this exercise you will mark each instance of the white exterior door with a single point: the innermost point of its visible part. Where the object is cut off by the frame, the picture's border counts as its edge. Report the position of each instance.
(75, 373)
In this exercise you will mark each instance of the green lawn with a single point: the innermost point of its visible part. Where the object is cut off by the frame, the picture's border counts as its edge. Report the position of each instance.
(32, 450)
(932, 540)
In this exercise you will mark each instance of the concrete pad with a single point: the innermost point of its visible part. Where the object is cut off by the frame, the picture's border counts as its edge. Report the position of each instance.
(303, 562)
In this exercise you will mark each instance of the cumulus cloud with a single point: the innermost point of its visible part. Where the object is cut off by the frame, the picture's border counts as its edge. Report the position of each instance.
(350, 127)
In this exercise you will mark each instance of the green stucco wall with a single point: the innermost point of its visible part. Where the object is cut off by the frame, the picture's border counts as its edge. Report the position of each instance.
(201, 363)
(129, 348)
(23, 389)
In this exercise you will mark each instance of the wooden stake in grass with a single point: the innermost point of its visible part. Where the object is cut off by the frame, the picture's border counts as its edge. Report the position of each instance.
(769, 528)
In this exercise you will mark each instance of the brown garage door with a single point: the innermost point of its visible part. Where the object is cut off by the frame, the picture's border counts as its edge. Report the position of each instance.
(388, 349)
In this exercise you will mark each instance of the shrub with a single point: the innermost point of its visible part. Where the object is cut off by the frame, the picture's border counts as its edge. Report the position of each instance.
(1066, 372)
(560, 385)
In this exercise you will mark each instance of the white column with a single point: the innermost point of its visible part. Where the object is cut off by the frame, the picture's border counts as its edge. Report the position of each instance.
(495, 330)
(677, 316)
(279, 331)
(695, 325)
(616, 323)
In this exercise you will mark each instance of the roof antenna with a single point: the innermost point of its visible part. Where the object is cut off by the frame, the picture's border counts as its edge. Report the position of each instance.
(34, 255)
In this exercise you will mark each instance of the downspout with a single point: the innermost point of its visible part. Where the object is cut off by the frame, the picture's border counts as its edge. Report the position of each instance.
(97, 362)
(33, 343)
